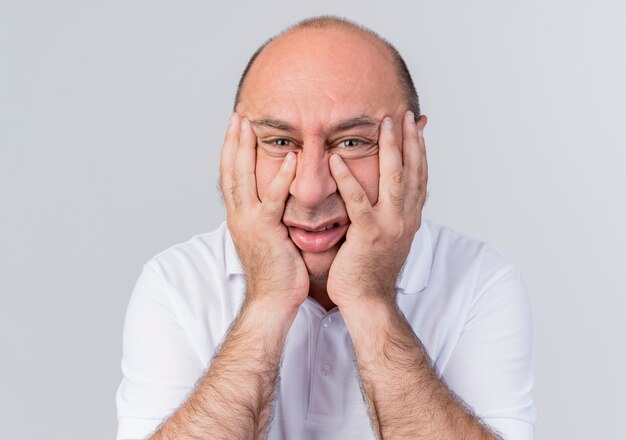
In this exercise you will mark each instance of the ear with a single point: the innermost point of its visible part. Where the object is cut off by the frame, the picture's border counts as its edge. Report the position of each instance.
(421, 122)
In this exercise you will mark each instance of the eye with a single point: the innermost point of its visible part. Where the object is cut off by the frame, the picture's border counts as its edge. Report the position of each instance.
(281, 142)
(350, 143)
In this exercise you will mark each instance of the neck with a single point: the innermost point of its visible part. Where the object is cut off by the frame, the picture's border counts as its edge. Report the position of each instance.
(317, 291)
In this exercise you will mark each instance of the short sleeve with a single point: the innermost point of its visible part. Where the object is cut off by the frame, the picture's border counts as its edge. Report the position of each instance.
(491, 366)
(159, 363)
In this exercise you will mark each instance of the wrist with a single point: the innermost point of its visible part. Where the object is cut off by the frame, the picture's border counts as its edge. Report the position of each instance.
(369, 313)
(287, 294)
(267, 315)
(372, 325)
(364, 298)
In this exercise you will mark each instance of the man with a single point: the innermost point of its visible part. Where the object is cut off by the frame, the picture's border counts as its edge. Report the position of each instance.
(327, 308)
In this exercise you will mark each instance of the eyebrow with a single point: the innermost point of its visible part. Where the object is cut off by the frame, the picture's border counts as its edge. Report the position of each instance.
(347, 124)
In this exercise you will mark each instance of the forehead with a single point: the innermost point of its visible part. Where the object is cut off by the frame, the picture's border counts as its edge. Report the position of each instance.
(313, 77)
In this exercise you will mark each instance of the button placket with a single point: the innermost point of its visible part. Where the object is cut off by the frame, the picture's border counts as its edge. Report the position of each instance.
(325, 368)
(325, 404)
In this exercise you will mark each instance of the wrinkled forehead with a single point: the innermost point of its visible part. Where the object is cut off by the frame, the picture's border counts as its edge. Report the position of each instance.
(320, 75)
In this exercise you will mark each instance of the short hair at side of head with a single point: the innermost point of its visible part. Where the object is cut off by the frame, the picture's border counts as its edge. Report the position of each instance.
(331, 21)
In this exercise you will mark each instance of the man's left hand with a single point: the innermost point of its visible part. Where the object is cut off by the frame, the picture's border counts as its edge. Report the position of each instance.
(379, 237)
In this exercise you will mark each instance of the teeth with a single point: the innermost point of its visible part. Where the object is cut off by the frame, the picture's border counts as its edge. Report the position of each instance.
(324, 228)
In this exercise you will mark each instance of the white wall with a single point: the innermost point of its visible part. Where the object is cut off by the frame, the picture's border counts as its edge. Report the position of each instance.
(111, 119)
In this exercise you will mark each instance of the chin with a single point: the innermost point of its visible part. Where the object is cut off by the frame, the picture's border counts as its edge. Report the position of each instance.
(318, 264)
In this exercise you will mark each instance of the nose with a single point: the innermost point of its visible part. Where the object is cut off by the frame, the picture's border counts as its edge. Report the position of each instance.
(313, 182)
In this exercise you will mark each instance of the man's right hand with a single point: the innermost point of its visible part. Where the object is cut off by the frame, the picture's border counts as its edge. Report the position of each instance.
(234, 397)
(273, 267)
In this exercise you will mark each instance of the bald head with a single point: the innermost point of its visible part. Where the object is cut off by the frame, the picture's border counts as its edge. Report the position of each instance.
(358, 37)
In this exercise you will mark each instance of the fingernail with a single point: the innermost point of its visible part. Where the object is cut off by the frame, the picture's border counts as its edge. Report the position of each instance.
(289, 158)
(233, 118)
(410, 116)
(387, 123)
(245, 124)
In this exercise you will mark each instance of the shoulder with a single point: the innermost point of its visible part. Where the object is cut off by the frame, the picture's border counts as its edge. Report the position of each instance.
(466, 258)
(443, 258)
(459, 247)
(202, 252)
(470, 276)
(197, 283)
(465, 283)
(204, 264)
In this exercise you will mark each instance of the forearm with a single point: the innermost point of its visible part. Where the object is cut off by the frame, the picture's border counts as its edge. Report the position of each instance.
(234, 398)
(406, 398)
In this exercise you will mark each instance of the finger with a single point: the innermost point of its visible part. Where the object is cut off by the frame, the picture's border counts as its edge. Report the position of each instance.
(227, 156)
(391, 185)
(422, 170)
(354, 196)
(244, 177)
(273, 205)
(412, 158)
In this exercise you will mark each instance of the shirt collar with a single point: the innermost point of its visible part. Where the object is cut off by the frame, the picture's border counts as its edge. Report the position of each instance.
(413, 277)
(232, 265)
(415, 273)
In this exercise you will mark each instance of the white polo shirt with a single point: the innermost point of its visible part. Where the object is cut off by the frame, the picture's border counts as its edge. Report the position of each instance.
(464, 299)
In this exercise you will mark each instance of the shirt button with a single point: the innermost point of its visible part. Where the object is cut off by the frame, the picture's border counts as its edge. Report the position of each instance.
(327, 322)
(325, 370)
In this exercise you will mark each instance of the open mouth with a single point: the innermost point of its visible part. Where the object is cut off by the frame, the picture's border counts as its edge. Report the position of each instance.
(332, 225)
(317, 239)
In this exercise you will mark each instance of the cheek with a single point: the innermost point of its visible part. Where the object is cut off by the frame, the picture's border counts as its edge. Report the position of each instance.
(366, 172)
(266, 169)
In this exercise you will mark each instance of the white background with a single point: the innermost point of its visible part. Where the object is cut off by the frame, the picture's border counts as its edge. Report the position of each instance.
(111, 120)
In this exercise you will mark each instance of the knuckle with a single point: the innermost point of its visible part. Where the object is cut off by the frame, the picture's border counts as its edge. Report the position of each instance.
(397, 177)
(421, 186)
(234, 194)
(375, 234)
(362, 213)
(359, 197)
(398, 233)
(236, 176)
(365, 216)
(396, 196)
(267, 212)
